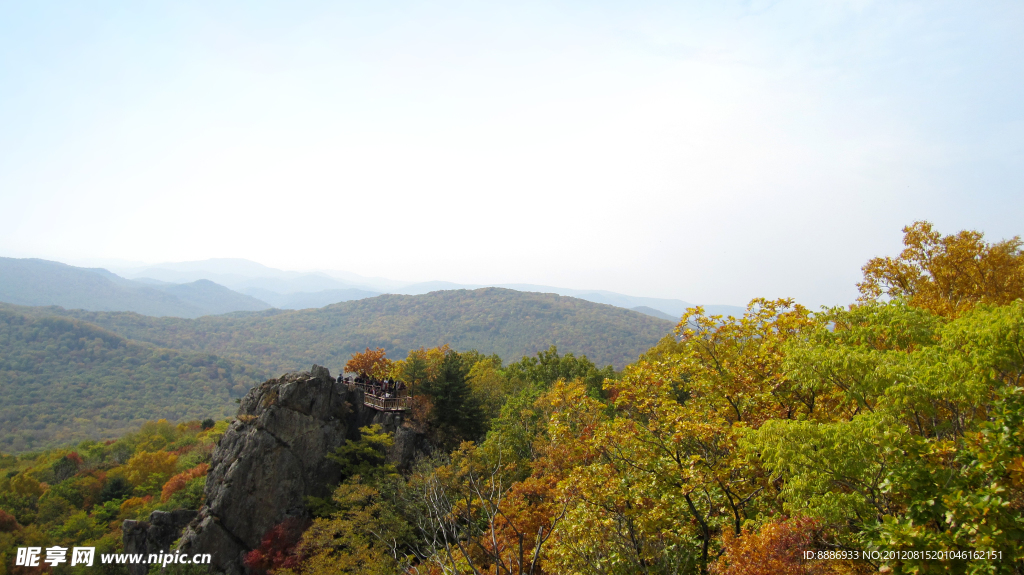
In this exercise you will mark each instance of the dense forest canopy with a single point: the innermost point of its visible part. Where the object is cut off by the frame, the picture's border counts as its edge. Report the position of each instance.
(886, 436)
(64, 380)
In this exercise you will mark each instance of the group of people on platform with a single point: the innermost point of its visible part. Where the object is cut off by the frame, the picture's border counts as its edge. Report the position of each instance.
(386, 388)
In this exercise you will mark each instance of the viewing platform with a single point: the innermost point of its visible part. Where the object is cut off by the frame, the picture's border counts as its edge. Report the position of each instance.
(373, 398)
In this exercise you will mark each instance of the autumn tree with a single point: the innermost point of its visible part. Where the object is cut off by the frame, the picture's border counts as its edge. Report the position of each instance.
(277, 548)
(777, 548)
(366, 456)
(495, 507)
(480, 520)
(667, 477)
(363, 535)
(369, 363)
(148, 471)
(423, 364)
(947, 275)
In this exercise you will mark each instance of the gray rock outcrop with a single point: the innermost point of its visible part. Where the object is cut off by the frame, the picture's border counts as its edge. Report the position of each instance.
(273, 456)
(153, 536)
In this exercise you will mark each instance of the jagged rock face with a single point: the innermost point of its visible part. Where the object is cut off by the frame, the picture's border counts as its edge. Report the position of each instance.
(272, 457)
(153, 536)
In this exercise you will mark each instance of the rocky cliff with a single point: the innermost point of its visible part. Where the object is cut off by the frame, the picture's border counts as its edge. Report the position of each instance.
(153, 536)
(274, 455)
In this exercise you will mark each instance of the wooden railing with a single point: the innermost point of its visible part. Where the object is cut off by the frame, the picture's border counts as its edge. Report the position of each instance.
(382, 403)
(387, 403)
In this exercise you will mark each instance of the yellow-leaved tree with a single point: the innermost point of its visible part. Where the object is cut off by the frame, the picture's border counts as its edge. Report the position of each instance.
(947, 275)
(665, 478)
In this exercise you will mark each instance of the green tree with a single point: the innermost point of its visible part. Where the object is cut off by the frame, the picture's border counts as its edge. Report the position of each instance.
(927, 453)
(455, 415)
(366, 456)
(548, 367)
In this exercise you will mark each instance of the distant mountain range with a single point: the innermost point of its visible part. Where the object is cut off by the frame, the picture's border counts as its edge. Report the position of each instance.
(244, 275)
(36, 282)
(653, 312)
(217, 286)
(257, 280)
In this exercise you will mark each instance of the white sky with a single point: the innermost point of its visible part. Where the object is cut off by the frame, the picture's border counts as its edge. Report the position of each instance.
(707, 151)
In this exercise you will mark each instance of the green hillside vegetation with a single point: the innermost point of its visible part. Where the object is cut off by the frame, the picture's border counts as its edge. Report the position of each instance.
(490, 320)
(63, 379)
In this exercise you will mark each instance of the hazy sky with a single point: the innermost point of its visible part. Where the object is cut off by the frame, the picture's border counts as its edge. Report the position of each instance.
(707, 151)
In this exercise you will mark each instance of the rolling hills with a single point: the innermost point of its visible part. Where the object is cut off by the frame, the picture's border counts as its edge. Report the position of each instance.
(72, 374)
(491, 320)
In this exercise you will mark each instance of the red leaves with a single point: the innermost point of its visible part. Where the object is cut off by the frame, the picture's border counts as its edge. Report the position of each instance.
(277, 550)
(7, 522)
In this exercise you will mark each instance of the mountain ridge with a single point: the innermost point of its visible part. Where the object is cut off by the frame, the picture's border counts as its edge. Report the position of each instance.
(283, 282)
(36, 282)
(491, 320)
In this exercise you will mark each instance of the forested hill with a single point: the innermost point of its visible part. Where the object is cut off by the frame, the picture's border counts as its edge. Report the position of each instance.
(63, 379)
(72, 374)
(490, 320)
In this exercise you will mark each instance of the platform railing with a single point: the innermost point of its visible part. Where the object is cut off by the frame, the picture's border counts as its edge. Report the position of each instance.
(382, 403)
(387, 403)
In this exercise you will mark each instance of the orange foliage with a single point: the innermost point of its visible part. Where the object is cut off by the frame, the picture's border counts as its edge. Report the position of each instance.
(369, 363)
(133, 504)
(177, 483)
(528, 515)
(777, 548)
